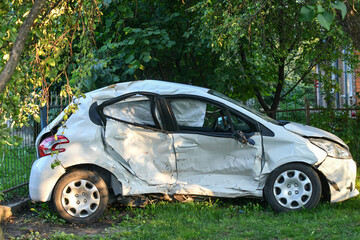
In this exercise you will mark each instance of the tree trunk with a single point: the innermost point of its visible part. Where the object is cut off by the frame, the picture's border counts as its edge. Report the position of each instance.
(279, 87)
(351, 24)
(18, 47)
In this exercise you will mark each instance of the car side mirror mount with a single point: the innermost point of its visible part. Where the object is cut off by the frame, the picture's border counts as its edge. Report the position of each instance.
(244, 137)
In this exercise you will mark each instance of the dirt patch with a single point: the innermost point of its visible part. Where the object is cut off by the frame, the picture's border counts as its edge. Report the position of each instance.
(42, 221)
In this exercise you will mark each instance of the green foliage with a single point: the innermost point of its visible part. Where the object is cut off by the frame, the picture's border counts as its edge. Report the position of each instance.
(324, 12)
(55, 163)
(5, 137)
(47, 214)
(64, 236)
(149, 40)
(307, 13)
(1, 194)
(243, 49)
(78, 46)
(325, 19)
(30, 236)
(269, 51)
(61, 37)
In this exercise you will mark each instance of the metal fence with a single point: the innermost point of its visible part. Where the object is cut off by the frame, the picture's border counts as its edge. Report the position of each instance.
(306, 115)
(16, 161)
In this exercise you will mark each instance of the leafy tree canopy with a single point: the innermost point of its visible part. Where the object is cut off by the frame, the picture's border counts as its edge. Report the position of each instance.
(269, 48)
(329, 13)
(243, 48)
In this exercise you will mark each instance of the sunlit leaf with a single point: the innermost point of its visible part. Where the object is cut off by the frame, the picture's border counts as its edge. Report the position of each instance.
(37, 118)
(320, 9)
(340, 6)
(51, 62)
(55, 163)
(325, 19)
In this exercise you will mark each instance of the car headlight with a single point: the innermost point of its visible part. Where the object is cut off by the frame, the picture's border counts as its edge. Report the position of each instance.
(333, 149)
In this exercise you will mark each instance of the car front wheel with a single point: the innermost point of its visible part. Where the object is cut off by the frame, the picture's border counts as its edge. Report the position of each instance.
(292, 187)
(81, 196)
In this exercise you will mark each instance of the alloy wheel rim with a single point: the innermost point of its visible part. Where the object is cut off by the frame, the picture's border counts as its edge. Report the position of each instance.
(292, 189)
(80, 198)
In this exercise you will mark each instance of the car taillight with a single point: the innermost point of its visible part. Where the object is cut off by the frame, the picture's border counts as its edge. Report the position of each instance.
(52, 144)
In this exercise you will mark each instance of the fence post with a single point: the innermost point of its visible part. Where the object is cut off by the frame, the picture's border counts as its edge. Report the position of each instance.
(43, 117)
(307, 112)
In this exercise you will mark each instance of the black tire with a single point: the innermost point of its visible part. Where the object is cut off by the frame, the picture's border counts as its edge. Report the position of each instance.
(292, 187)
(80, 196)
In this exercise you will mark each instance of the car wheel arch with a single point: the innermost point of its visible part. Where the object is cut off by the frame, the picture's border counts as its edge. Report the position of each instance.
(326, 195)
(112, 183)
(271, 163)
(322, 181)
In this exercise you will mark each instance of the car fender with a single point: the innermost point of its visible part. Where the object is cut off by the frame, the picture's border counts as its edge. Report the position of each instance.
(286, 147)
(43, 179)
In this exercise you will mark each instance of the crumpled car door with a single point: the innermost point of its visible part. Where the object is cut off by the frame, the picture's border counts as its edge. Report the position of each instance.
(210, 161)
(131, 132)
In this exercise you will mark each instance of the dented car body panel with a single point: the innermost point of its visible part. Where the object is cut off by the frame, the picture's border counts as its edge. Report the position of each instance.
(233, 168)
(340, 188)
(160, 137)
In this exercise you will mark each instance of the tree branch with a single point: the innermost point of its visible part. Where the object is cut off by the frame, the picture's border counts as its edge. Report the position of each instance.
(55, 5)
(299, 81)
(280, 84)
(18, 47)
(261, 100)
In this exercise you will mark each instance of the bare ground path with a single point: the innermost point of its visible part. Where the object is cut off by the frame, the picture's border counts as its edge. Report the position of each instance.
(40, 220)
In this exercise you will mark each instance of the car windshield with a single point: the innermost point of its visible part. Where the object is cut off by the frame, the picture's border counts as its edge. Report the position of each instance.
(257, 113)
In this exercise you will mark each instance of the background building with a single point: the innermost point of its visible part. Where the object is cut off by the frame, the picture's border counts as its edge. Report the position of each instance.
(349, 84)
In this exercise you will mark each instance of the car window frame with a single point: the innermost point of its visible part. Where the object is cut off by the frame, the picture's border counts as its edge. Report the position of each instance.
(246, 120)
(153, 98)
(176, 129)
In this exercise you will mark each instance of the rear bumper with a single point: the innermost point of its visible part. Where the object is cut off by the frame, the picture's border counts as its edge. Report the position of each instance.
(43, 179)
(341, 176)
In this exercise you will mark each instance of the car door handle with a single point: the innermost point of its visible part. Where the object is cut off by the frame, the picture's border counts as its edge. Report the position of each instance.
(120, 137)
(188, 145)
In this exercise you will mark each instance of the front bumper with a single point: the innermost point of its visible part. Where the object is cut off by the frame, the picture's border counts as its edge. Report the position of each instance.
(341, 176)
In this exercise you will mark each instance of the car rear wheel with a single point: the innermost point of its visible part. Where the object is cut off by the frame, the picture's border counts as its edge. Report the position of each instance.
(81, 196)
(292, 187)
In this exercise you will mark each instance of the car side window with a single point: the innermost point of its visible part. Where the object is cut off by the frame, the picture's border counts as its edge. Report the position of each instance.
(135, 109)
(198, 115)
(241, 124)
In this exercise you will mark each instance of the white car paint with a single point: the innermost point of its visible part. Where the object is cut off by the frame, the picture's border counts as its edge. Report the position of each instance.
(309, 131)
(147, 161)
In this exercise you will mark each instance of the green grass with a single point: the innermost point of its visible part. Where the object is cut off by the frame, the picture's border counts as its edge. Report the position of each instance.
(204, 221)
(228, 221)
(232, 219)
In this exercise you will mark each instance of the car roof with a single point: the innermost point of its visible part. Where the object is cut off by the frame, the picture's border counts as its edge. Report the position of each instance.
(153, 86)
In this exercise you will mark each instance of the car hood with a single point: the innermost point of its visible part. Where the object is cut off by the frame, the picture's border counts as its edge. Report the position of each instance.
(308, 131)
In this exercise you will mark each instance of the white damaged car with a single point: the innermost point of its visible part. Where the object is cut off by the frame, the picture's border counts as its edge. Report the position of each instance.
(155, 137)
